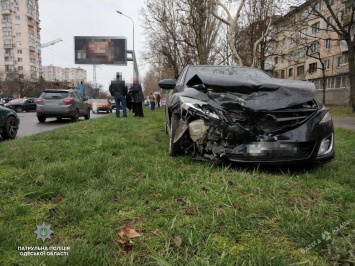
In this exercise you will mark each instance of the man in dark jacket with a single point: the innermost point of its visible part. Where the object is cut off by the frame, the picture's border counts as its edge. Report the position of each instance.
(118, 90)
(138, 97)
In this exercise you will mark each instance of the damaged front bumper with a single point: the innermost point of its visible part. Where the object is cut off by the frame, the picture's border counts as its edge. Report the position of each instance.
(211, 133)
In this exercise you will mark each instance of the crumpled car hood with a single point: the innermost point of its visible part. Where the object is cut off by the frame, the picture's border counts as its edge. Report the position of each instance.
(252, 92)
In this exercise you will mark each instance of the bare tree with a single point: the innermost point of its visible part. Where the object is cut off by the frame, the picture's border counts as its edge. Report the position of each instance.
(179, 33)
(252, 18)
(342, 14)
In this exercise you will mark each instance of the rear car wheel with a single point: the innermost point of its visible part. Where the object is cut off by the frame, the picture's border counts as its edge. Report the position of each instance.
(11, 127)
(87, 116)
(174, 148)
(75, 118)
(41, 119)
(18, 109)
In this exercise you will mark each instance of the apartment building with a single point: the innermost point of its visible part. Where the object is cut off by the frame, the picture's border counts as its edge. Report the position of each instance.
(70, 75)
(20, 39)
(306, 48)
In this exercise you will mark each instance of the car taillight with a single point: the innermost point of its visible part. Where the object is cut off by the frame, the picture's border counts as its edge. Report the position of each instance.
(68, 100)
(39, 100)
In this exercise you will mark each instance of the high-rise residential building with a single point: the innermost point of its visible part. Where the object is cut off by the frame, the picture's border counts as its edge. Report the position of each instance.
(69, 75)
(307, 48)
(20, 39)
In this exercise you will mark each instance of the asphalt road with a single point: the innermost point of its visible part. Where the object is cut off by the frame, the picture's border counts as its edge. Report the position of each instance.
(344, 122)
(29, 124)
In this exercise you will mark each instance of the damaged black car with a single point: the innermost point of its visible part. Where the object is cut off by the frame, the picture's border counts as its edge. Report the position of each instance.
(242, 114)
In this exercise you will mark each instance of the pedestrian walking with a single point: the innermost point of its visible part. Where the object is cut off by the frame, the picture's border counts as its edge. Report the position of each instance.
(138, 97)
(157, 97)
(118, 90)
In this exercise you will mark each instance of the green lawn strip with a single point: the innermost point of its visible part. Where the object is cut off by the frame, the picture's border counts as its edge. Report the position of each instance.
(341, 111)
(114, 172)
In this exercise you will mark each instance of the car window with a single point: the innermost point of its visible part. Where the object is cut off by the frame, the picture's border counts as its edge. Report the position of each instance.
(54, 95)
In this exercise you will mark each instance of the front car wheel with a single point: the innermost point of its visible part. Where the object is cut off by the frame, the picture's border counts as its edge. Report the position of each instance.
(10, 129)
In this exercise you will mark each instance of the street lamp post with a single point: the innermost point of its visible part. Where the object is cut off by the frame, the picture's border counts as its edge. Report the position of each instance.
(119, 12)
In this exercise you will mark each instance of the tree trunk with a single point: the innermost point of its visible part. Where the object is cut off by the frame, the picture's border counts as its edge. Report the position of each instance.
(351, 61)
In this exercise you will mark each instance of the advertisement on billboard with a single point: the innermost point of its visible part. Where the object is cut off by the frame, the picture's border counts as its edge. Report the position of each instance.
(100, 50)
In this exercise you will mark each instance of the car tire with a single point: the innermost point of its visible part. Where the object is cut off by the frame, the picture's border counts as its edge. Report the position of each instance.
(18, 109)
(11, 127)
(174, 148)
(75, 118)
(41, 119)
(107, 111)
(87, 116)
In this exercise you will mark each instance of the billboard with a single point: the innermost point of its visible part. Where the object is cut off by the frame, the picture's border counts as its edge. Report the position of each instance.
(100, 50)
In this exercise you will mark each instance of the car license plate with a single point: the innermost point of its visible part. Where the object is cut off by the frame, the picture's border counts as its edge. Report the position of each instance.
(263, 148)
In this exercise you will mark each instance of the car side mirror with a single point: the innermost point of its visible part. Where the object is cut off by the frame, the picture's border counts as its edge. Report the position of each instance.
(167, 84)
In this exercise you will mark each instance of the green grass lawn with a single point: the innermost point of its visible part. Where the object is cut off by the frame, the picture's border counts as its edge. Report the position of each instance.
(91, 179)
(341, 111)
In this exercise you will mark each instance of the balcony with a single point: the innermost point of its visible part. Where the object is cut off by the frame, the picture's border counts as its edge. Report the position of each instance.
(32, 48)
(343, 69)
(7, 25)
(5, 11)
(31, 23)
(8, 45)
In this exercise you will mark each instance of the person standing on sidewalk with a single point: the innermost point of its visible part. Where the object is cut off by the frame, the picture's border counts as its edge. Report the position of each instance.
(118, 90)
(138, 97)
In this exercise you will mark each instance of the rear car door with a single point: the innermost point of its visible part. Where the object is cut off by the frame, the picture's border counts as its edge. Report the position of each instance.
(79, 102)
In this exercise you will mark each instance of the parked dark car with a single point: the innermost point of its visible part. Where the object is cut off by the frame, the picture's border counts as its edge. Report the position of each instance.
(113, 102)
(9, 123)
(62, 104)
(20, 105)
(242, 114)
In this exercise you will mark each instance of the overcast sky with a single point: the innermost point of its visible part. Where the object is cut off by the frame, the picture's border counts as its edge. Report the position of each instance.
(68, 18)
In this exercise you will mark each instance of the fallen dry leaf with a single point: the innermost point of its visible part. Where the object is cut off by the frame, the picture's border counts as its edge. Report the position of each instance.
(131, 233)
(156, 232)
(177, 240)
(58, 198)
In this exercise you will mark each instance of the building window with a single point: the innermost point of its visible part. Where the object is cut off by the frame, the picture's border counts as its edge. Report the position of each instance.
(315, 27)
(17, 8)
(314, 48)
(345, 58)
(18, 43)
(19, 60)
(17, 26)
(18, 34)
(327, 43)
(303, 33)
(338, 82)
(338, 61)
(19, 51)
(7, 33)
(330, 83)
(17, 17)
(329, 22)
(301, 52)
(312, 68)
(304, 14)
(283, 74)
(326, 64)
(290, 72)
(300, 70)
(20, 68)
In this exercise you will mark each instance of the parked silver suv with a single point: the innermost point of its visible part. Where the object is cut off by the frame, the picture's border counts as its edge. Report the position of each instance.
(62, 104)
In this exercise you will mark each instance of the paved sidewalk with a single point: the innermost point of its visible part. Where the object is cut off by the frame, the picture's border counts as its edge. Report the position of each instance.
(344, 122)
